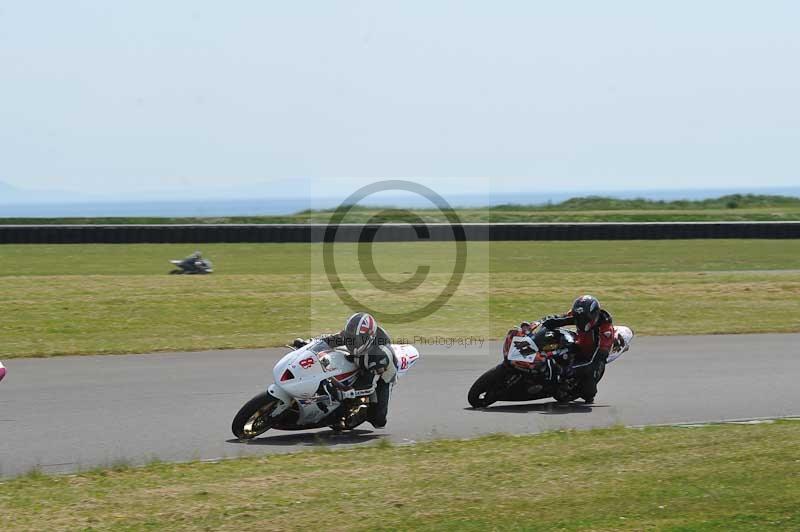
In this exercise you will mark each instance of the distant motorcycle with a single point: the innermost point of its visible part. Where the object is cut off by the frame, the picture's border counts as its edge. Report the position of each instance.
(302, 396)
(192, 266)
(536, 365)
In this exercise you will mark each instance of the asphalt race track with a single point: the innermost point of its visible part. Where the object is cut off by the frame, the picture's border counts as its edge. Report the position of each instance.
(64, 414)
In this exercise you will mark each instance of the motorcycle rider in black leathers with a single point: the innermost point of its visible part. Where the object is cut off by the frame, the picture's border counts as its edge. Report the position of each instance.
(593, 343)
(194, 257)
(190, 263)
(370, 347)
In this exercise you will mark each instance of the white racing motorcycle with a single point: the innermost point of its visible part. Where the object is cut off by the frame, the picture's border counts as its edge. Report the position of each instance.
(301, 398)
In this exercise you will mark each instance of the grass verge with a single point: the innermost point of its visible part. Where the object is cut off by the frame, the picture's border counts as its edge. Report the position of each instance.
(725, 477)
(94, 299)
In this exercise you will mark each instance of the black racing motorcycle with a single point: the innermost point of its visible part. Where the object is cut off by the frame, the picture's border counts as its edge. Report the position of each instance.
(537, 364)
(192, 266)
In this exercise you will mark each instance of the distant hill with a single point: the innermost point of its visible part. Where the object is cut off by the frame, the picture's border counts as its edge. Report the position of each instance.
(605, 203)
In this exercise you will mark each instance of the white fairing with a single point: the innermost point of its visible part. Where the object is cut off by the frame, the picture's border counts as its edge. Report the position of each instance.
(299, 373)
(522, 342)
(624, 337)
(2, 371)
(406, 355)
(310, 365)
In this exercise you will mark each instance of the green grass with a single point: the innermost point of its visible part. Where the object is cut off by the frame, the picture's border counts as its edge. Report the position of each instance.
(95, 299)
(720, 478)
(734, 207)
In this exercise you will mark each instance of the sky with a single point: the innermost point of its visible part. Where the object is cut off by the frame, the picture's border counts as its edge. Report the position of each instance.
(135, 99)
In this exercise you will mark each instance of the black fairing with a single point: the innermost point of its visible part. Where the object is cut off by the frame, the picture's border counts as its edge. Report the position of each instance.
(518, 385)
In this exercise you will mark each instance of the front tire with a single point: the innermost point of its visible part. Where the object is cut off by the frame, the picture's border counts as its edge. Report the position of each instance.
(484, 391)
(253, 419)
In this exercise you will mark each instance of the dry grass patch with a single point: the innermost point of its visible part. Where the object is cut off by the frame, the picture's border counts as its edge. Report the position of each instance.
(719, 477)
(118, 299)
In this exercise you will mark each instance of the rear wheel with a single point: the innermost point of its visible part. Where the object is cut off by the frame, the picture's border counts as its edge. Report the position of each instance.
(254, 418)
(484, 391)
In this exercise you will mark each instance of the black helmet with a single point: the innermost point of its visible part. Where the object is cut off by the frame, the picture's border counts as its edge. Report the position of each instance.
(586, 311)
(359, 333)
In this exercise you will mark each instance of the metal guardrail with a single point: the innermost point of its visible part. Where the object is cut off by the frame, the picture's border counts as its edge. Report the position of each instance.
(395, 232)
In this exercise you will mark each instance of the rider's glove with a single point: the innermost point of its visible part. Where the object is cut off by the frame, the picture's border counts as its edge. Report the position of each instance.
(298, 343)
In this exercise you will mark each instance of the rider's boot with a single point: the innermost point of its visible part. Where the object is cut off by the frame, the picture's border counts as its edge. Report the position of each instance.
(379, 409)
(354, 415)
(587, 385)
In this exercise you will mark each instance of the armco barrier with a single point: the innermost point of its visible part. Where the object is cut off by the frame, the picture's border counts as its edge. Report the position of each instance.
(128, 234)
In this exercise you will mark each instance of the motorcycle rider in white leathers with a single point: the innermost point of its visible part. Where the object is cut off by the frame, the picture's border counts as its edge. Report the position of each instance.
(370, 347)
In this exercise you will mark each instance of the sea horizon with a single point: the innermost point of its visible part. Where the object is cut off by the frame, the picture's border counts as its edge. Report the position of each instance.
(289, 205)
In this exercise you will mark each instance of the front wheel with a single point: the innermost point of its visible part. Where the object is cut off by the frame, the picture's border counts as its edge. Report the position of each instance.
(484, 391)
(254, 418)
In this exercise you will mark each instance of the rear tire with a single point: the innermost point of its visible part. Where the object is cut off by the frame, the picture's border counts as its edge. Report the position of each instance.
(253, 419)
(483, 392)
